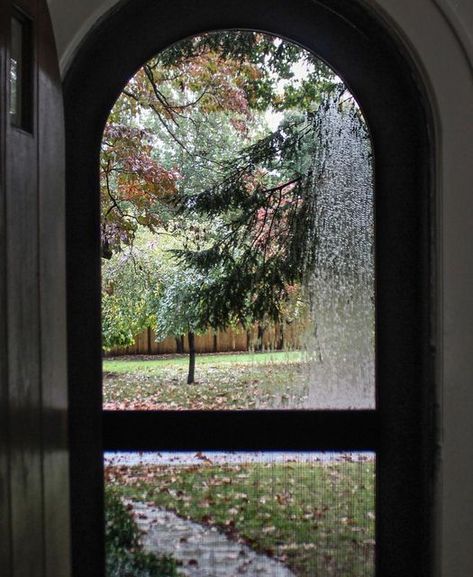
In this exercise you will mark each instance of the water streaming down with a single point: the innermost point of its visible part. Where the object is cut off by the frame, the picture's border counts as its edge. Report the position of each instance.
(339, 341)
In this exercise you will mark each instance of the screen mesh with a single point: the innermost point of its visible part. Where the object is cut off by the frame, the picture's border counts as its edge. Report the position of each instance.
(231, 514)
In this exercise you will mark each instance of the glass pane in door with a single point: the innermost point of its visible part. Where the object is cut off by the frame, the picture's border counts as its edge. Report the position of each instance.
(237, 233)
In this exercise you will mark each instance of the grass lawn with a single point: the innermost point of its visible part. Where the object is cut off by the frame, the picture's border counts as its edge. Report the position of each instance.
(317, 518)
(155, 364)
(223, 381)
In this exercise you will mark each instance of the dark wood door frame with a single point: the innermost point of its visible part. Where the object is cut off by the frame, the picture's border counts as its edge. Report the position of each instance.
(34, 463)
(388, 87)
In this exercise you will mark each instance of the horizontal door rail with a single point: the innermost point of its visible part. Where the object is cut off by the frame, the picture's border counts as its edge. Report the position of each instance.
(240, 430)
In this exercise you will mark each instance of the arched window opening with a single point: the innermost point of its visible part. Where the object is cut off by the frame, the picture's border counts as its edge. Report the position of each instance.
(237, 235)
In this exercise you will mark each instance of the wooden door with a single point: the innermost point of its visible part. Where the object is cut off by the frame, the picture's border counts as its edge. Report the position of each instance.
(34, 491)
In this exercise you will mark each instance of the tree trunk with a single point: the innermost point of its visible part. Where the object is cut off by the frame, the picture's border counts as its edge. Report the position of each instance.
(282, 334)
(215, 343)
(260, 346)
(191, 374)
(179, 344)
(150, 342)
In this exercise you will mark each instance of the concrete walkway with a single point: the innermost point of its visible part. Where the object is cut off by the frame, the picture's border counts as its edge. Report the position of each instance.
(227, 458)
(203, 551)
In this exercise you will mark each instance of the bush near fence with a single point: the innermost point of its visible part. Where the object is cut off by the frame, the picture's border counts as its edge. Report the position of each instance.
(230, 340)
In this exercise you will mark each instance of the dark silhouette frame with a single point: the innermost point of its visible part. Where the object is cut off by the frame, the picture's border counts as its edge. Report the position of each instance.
(402, 429)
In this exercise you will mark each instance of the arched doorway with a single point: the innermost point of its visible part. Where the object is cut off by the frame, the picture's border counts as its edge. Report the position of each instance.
(397, 112)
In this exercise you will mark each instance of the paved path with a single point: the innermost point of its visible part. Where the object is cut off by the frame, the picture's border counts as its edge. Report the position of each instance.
(203, 551)
(228, 458)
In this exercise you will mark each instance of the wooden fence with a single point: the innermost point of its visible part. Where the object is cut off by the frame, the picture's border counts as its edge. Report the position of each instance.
(273, 338)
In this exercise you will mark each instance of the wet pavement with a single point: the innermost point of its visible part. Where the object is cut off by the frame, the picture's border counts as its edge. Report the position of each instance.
(203, 550)
(230, 458)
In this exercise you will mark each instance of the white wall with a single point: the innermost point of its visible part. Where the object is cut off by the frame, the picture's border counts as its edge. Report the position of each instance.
(439, 34)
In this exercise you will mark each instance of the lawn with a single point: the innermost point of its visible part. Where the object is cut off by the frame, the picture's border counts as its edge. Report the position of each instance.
(223, 381)
(315, 517)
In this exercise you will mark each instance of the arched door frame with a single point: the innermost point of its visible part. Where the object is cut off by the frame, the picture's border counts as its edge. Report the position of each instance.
(388, 87)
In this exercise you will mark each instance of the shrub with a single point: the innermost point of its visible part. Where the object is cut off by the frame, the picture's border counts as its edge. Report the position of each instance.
(124, 554)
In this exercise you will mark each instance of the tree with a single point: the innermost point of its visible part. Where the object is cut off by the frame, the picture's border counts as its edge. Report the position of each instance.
(266, 238)
(148, 134)
(135, 186)
(129, 286)
(267, 242)
(169, 108)
(178, 310)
